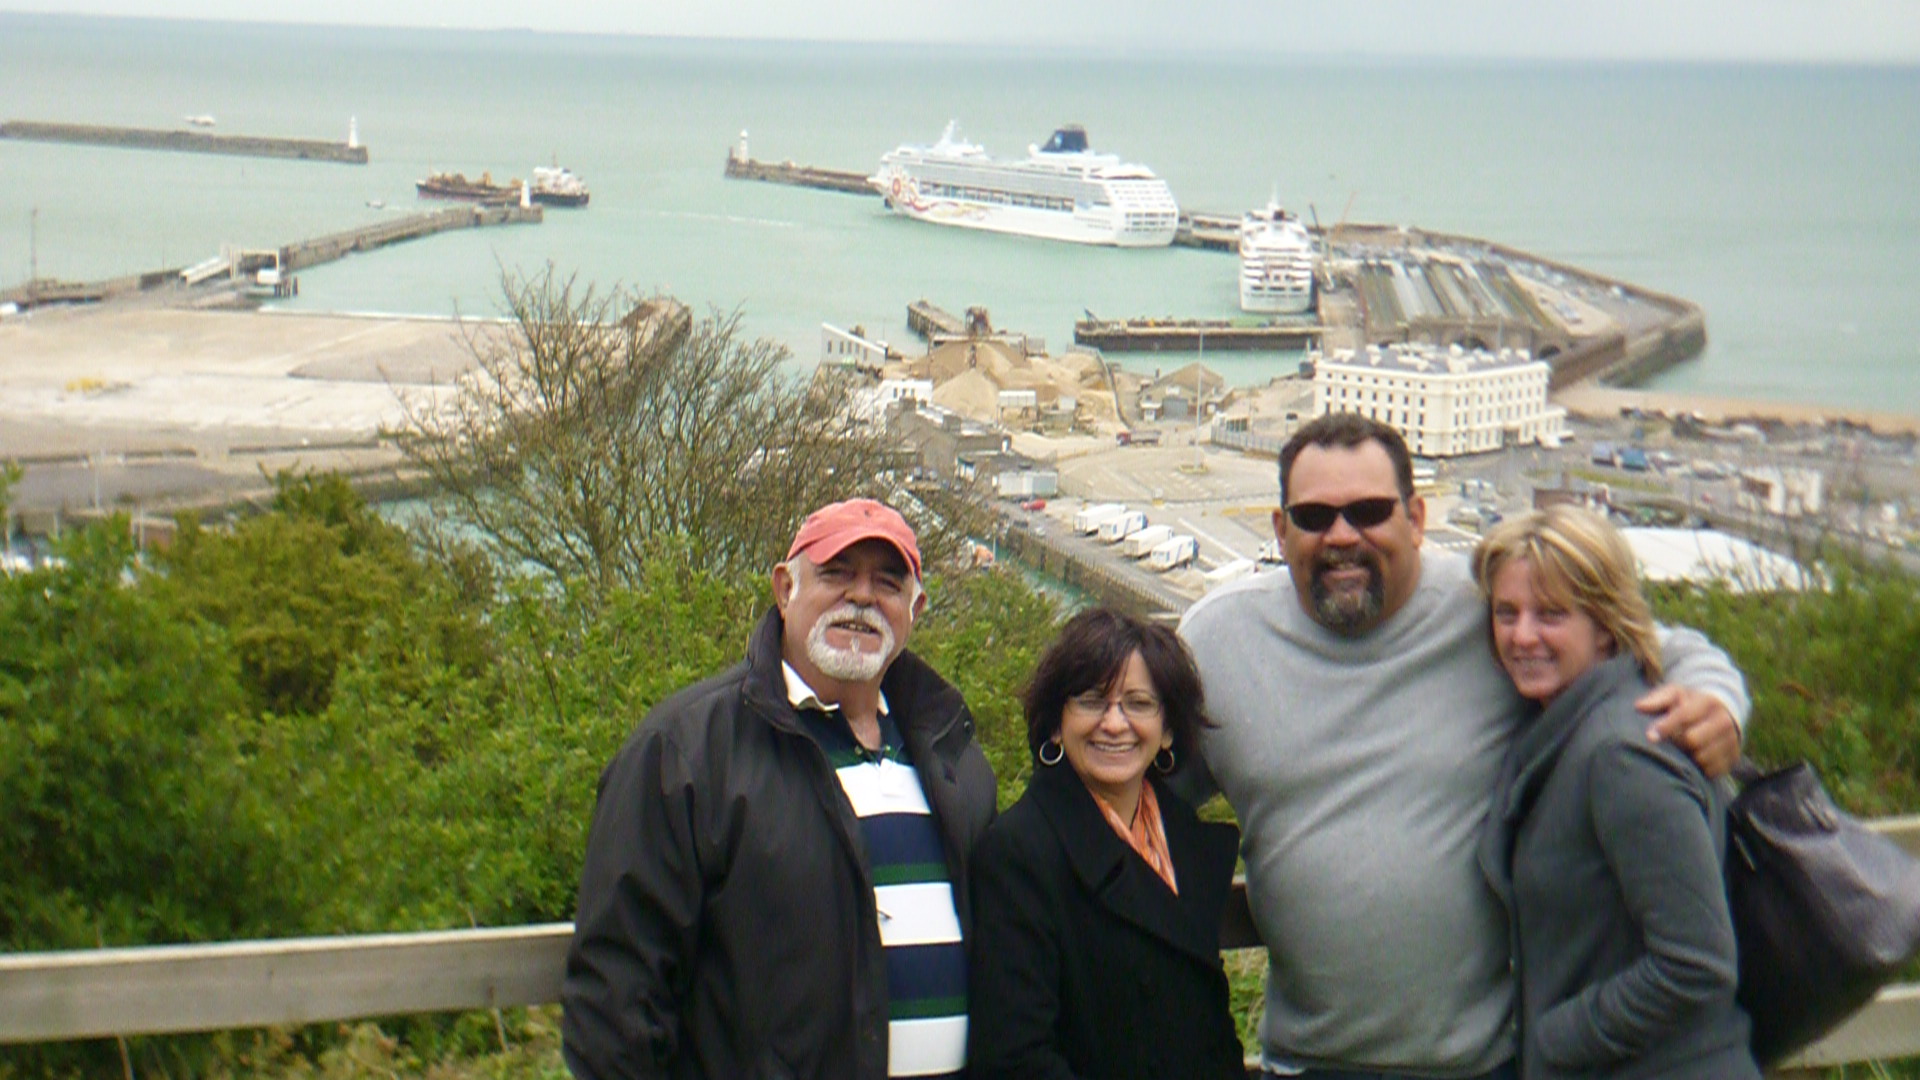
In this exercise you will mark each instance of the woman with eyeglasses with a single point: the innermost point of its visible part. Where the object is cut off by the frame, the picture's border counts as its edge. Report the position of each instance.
(1097, 897)
(1604, 846)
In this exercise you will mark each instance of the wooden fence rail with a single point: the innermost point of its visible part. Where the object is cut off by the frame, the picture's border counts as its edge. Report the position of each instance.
(163, 989)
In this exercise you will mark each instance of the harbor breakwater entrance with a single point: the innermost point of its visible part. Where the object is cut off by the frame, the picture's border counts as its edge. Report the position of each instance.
(198, 142)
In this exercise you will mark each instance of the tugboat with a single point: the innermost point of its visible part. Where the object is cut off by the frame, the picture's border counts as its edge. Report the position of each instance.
(555, 186)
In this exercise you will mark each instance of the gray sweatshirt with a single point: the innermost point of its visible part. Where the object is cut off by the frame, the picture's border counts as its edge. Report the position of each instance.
(1361, 769)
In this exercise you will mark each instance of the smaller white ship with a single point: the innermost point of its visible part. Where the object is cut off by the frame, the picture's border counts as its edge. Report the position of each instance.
(1276, 262)
(201, 120)
(557, 186)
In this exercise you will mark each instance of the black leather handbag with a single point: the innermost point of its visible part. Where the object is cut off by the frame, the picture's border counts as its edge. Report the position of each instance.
(1826, 910)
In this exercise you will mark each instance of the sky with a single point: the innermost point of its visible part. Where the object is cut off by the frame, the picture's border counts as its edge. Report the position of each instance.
(1873, 31)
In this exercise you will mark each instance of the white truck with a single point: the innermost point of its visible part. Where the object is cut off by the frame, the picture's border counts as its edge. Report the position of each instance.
(1089, 518)
(1172, 552)
(1115, 529)
(1139, 544)
(1231, 571)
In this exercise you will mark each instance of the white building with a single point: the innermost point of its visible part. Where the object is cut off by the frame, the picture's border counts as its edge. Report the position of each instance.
(1445, 401)
(853, 347)
(870, 404)
(1781, 492)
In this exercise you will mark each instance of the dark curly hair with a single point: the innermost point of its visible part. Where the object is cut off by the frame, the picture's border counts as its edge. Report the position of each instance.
(1346, 431)
(1090, 654)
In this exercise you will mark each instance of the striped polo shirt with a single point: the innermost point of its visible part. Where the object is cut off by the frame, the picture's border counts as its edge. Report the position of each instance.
(919, 925)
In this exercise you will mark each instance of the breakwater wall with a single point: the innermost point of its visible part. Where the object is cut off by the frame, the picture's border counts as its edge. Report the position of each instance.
(323, 249)
(1110, 586)
(786, 172)
(295, 256)
(197, 142)
(1613, 359)
(49, 291)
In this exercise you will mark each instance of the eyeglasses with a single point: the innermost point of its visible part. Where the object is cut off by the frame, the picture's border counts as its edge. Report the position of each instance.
(1361, 514)
(1133, 706)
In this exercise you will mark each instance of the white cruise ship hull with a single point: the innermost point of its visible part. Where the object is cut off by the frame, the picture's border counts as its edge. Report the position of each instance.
(1064, 192)
(1276, 265)
(1093, 225)
(1260, 300)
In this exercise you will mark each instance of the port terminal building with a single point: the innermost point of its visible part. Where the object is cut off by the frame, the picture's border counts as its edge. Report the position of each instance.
(1448, 401)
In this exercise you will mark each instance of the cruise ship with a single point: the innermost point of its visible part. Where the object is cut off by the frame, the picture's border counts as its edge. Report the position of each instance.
(1061, 191)
(1276, 262)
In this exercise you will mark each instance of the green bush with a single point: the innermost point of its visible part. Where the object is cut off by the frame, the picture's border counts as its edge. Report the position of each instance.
(129, 809)
(1834, 674)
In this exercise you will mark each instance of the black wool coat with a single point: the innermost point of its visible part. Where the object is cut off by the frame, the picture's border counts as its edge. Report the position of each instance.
(1083, 963)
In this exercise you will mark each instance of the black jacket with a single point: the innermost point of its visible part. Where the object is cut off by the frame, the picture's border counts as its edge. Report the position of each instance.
(1083, 963)
(726, 925)
(1606, 849)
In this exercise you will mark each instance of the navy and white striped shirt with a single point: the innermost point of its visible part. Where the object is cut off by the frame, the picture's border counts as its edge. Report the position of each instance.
(919, 923)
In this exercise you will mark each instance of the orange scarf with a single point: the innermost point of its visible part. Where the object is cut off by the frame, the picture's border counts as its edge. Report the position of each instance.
(1147, 836)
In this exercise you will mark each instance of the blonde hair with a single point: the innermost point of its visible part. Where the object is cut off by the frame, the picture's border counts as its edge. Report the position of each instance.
(1581, 563)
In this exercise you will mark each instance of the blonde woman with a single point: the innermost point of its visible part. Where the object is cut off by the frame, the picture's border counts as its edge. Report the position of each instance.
(1604, 846)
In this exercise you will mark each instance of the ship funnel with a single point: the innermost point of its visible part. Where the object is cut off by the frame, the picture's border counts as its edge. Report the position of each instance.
(1071, 139)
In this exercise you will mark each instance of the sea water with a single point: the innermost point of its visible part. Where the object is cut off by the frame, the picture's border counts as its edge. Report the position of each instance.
(1780, 198)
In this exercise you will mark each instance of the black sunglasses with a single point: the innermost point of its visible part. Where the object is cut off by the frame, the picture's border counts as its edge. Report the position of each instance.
(1361, 514)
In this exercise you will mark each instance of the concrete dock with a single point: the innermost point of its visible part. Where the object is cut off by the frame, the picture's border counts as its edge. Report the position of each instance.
(926, 318)
(305, 253)
(1208, 231)
(1193, 335)
(294, 256)
(197, 142)
(786, 172)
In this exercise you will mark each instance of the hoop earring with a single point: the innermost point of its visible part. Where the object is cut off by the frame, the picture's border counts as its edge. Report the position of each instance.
(1059, 753)
(1167, 752)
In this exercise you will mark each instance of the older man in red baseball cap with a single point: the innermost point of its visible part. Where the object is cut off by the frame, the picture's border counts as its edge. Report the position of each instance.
(775, 879)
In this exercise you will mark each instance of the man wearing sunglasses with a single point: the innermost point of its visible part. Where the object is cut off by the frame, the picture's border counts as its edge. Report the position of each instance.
(1362, 722)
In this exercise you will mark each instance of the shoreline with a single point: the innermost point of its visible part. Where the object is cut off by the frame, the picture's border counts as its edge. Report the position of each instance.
(1590, 399)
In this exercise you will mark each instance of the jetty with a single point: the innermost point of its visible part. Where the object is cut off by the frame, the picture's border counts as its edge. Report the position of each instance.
(926, 319)
(741, 167)
(196, 142)
(1207, 230)
(324, 249)
(234, 266)
(1195, 335)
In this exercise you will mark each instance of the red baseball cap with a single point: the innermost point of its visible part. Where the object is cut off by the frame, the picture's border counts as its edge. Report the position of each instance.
(836, 527)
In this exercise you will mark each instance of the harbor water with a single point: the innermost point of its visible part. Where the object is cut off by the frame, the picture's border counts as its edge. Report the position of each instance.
(1777, 197)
